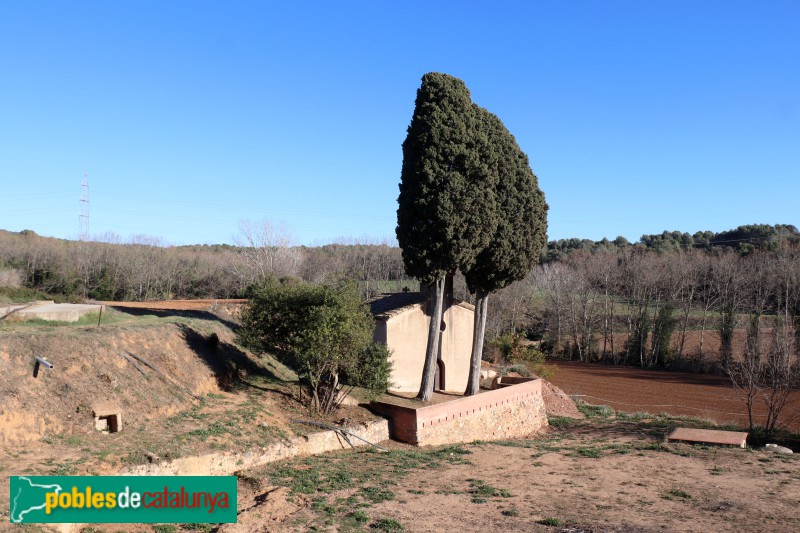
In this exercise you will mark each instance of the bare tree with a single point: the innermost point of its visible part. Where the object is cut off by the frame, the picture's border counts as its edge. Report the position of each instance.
(746, 375)
(602, 275)
(551, 280)
(264, 250)
(780, 374)
(690, 266)
(728, 284)
(11, 277)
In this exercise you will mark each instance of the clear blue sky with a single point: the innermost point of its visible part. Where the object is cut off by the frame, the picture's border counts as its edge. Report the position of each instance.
(190, 116)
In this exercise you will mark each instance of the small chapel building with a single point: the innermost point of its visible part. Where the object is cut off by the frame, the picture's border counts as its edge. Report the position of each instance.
(401, 322)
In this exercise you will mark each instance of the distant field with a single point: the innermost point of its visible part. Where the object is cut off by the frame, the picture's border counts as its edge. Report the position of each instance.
(677, 393)
(176, 305)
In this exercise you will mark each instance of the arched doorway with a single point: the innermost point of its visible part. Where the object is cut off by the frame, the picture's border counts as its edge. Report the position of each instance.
(438, 378)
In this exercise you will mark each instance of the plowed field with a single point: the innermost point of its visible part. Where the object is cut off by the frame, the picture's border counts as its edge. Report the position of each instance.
(176, 305)
(677, 393)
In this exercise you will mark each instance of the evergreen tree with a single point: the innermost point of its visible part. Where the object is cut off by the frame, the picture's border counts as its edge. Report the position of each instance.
(521, 232)
(446, 211)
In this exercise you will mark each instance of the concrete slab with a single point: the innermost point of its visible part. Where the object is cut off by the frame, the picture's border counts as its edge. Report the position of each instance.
(709, 436)
(59, 312)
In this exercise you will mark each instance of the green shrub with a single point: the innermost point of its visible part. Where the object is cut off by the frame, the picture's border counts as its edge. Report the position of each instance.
(550, 522)
(595, 411)
(322, 332)
(388, 525)
(513, 351)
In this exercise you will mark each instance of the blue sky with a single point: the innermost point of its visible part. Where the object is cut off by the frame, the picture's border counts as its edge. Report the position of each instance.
(188, 117)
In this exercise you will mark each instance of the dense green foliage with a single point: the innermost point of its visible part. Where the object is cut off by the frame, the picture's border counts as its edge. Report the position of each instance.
(521, 231)
(513, 350)
(322, 332)
(743, 240)
(447, 207)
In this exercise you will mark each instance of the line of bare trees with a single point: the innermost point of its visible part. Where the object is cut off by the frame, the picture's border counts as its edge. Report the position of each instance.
(653, 309)
(143, 268)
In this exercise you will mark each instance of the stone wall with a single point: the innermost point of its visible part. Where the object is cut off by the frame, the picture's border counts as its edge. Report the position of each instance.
(513, 411)
(226, 463)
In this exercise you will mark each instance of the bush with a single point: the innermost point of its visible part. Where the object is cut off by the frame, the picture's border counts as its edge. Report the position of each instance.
(522, 370)
(322, 332)
(512, 351)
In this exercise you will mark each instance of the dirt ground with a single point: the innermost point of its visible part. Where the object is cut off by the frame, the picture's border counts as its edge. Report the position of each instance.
(588, 475)
(629, 389)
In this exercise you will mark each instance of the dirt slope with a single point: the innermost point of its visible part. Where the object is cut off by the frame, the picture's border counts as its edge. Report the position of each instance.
(94, 365)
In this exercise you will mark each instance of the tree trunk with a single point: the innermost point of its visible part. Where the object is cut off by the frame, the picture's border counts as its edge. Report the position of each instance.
(432, 350)
(474, 381)
(605, 323)
(703, 332)
(613, 350)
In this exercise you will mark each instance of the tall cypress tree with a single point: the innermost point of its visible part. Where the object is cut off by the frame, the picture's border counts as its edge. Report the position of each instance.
(446, 209)
(521, 232)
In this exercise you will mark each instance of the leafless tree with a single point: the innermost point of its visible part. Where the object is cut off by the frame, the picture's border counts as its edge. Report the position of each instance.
(746, 375)
(780, 374)
(551, 280)
(264, 250)
(728, 284)
(602, 272)
(11, 277)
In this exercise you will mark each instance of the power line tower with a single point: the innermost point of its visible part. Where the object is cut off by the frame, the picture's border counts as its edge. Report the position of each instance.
(83, 217)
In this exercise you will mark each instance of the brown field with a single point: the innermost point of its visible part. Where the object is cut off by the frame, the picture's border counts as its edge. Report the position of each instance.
(176, 305)
(678, 393)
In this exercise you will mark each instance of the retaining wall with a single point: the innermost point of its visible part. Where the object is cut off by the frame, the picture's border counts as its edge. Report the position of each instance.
(513, 411)
(226, 463)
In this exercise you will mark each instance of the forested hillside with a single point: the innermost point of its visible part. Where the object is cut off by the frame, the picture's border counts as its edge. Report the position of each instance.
(667, 300)
(144, 269)
(743, 240)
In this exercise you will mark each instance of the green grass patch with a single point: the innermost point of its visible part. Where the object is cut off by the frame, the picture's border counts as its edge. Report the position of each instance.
(592, 453)
(677, 494)
(595, 411)
(481, 490)
(387, 525)
(15, 295)
(562, 422)
(376, 495)
(369, 472)
(550, 522)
